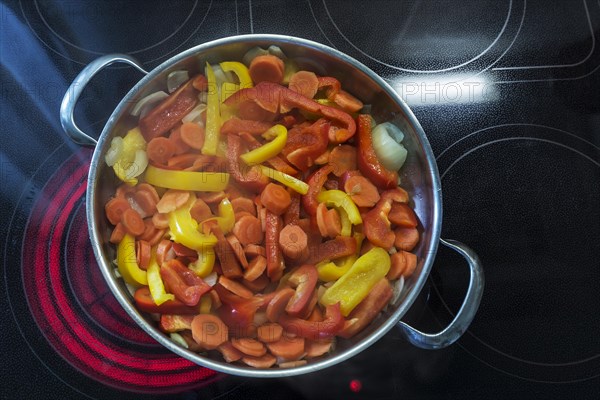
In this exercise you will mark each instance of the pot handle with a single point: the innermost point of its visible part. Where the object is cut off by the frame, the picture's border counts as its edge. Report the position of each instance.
(465, 315)
(67, 107)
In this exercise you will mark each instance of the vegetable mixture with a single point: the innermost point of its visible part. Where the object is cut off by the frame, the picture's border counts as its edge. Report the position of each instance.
(260, 215)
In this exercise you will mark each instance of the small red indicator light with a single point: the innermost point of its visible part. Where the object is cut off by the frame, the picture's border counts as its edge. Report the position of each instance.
(355, 385)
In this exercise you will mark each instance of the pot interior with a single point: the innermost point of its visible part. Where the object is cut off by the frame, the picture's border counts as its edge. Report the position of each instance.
(419, 177)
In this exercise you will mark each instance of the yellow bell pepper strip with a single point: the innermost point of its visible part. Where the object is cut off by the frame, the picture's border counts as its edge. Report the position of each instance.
(226, 218)
(337, 198)
(270, 149)
(213, 115)
(186, 180)
(184, 229)
(288, 180)
(330, 271)
(346, 224)
(155, 282)
(127, 263)
(205, 304)
(241, 71)
(203, 266)
(355, 284)
(132, 160)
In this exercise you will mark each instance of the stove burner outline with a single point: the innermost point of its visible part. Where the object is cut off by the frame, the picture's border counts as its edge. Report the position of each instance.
(96, 53)
(502, 30)
(469, 332)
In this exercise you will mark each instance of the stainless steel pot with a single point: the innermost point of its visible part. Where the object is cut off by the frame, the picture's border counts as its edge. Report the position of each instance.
(419, 176)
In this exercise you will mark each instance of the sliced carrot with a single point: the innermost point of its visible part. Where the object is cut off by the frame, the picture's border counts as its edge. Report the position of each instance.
(402, 215)
(145, 201)
(343, 158)
(267, 68)
(180, 147)
(258, 284)
(411, 263)
(143, 252)
(320, 218)
(250, 347)
(316, 348)
(211, 197)
(304, 82)
(287, 348)
(347, 102)
(151, 234)
(333, 223)
(323, 158)
(406, 238)
(277, 304)
(235, 287)
(192, 134)
(124, 190)
(238, 215)
(276, 162)
(230, 354)
(164, 251)
(160, 149)
(229, 264)
(398, 264)
(115, 208)
(146, 187)
(209, 331)
(275, 198)
(184, 160)
(293, 241)
(117, 234)
(269, 332)
(200, 83)
(256, 267)
(362, 191)
(238, 250)
(133, 222)
(292, 364)
(189, 339)
(248, 230)
(243, 204)
(316, 315)
(200, 210)
(253, 250)
(172, 200)
(160, 220)
(264, 362)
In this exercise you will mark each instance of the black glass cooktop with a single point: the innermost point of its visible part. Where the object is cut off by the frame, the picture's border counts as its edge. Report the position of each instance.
(508, 93)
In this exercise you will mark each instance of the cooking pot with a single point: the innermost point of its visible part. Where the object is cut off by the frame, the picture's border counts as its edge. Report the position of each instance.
(419, 177)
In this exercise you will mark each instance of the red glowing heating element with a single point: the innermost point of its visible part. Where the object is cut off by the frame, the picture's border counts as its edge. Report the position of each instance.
(355, 385)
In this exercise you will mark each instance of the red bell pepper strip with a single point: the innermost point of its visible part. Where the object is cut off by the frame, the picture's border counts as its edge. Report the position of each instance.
(251, 179)
(169, 112)
(332, 85)
(187, 287)
(236, 312)
(144, 302)
(276, 98)
(273, 226)
(327, 328)
(305, 280)
(367, 160)
(376, 224)
(236, 126)
(332, 249)
(315, 184)
(306, 144)
(230, 266)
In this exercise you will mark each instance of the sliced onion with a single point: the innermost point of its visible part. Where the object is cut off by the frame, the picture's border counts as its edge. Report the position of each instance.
(130, 288)
(176, 79)
(203, 97)
(211, 279)
(114, 153)
(252, 54)
(195, 115)
(138, 165)
(147, 103)
(276, 51)
(177, 338)
(397, 288)
(389, 151)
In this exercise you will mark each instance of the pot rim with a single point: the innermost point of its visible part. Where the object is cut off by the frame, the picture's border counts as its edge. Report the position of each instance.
(123, 296)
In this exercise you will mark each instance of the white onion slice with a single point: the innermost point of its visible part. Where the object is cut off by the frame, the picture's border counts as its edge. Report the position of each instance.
(397, 288)
(176, 79)
(386, 143)
(203, 97)
(252, 54)
(211, 279)
(276, 51)
(195, 115)
(147, 103)
(138, 165)
(177, 338)
(114, 153)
